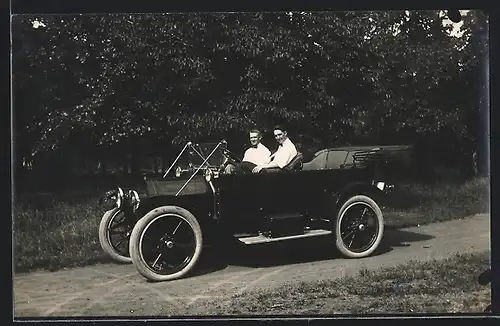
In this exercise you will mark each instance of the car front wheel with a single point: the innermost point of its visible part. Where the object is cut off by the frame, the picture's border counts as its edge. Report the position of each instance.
(166, 243)
(359, 227)
(114, 233)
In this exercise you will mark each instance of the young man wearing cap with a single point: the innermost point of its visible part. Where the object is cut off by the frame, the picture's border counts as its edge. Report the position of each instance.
(285, 153)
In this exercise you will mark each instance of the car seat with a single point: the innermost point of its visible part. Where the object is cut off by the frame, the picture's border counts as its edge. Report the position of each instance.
(295, 164)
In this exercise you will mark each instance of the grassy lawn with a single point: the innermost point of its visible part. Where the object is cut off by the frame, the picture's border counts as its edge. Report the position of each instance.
(443, 286)
(51, 232)
(416, 204)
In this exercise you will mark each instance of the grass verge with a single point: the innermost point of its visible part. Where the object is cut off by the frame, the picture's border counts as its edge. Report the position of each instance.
(444, 286)
(417, 204)
(56, 233)
(53, 232)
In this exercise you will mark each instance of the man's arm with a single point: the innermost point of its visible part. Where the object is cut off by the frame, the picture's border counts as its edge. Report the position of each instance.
(272, 155)
(270, 165)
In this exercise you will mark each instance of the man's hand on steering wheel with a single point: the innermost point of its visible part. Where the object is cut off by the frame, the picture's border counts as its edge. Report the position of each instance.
(230, 157)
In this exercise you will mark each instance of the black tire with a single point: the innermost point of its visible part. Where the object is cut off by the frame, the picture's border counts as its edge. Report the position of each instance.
(109, 246)
(167, 221)
(359, 226)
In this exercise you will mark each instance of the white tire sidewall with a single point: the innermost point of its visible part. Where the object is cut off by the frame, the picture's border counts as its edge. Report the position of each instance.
(144, 223)
(371, 204)
(104, 239)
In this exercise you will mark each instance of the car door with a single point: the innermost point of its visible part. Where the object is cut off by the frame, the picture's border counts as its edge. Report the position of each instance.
(240, 201)
(282, 192)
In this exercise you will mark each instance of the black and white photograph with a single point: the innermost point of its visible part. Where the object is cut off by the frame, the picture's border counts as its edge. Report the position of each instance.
(273, 163)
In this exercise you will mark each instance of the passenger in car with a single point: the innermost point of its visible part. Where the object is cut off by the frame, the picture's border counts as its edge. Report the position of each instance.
(257, 154)
(284, 154)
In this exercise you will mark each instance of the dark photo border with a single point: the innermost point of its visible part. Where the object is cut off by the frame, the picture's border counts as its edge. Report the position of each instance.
(149, 6)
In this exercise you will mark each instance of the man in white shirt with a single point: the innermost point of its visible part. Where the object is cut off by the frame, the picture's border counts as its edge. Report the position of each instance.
(285, 153)
(257, 154)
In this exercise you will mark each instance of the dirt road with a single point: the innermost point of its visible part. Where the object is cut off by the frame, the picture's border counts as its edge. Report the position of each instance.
(118, 290)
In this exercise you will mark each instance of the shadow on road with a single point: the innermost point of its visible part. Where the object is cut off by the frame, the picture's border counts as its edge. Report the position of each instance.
(210, 261)
(295, 251)
(398, 238)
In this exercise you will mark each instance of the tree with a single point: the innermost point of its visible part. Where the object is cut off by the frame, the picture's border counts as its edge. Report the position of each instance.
(143, 84)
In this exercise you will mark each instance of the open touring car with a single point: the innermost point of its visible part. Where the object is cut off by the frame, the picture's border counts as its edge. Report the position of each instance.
(336, 192)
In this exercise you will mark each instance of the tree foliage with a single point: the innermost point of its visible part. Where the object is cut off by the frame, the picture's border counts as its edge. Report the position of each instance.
(121, 83)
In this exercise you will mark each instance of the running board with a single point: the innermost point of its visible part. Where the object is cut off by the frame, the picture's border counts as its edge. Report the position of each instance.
(263, 239)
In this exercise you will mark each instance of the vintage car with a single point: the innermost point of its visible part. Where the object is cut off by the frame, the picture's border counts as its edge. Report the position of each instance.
(197, 205)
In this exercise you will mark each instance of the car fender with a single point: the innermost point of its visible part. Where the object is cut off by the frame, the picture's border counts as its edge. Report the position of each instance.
(358, 188)
(200, 205)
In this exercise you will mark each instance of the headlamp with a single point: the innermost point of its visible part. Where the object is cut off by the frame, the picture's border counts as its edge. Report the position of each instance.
(134, 198)
(208, 175)
(119, 197)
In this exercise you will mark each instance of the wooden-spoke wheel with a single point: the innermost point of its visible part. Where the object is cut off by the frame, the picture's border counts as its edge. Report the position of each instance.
(166, 243)
(359, 227)
(114, 235)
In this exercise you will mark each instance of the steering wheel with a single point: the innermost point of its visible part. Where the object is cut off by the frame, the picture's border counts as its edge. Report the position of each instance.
(230, 156)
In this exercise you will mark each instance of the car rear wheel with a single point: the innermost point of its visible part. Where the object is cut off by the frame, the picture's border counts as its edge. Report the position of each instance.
(114, 235)
(359, 227)
(166, 243)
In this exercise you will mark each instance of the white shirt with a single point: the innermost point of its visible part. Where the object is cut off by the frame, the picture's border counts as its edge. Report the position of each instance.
(285, 153)
(257, 155)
